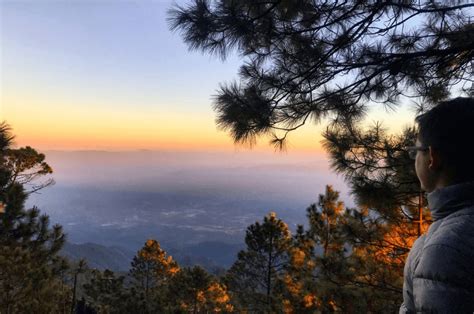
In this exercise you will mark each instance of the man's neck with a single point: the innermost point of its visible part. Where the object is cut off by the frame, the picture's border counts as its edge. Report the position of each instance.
(446, 180)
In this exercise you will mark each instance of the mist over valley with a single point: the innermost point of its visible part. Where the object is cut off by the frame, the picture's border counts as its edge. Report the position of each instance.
(185, 200)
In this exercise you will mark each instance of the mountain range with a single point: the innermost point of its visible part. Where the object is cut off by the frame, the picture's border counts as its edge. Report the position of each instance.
(210, 255)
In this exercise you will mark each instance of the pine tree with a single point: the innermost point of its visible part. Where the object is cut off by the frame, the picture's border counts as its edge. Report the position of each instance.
(106, 292)
(253, 278)
(358, 265)
(345, 262)
(31, 269)
(301, 288)
(80, 269)
(327, 220)
(193, 290)
(391, 210)
(324, 218)
(297, 289)
(309, 60)
(151, 270)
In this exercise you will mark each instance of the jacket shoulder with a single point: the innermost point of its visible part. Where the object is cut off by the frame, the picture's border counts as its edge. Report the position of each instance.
(448, 252)
(455, 231)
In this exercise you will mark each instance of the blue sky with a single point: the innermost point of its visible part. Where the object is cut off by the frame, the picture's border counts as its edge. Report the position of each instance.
(103, 47)
(111, 75)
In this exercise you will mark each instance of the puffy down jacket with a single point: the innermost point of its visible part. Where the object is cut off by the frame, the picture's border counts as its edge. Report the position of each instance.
(439, 272)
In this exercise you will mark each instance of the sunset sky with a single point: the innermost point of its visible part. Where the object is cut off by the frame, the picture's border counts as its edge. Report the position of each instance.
(110, 75)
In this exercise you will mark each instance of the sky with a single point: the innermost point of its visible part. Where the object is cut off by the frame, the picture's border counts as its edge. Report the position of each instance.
(110, 75)
(123, 111)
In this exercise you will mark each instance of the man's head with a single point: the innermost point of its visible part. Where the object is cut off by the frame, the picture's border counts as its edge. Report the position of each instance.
(446, 144)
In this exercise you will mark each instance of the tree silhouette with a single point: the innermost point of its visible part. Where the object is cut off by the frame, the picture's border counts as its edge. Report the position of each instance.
(151, 270)
(323, 218)
(26, 165)
(106, 292)
(358, 265)
(297, 289)
(31, 268)
(254, 276)
(308, 60)
(81, 268)
(193, 290)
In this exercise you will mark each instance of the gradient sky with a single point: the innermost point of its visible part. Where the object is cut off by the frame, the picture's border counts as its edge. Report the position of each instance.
(109, 75)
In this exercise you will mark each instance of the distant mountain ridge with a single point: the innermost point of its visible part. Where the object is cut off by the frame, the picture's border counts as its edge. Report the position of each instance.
(99, 256)
(221, 254)
(210, 255)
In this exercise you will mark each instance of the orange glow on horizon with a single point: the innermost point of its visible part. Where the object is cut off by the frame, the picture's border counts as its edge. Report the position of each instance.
(180, 142)
(57, 122)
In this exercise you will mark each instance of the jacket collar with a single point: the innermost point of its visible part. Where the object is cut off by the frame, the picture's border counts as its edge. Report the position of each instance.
(447, 200)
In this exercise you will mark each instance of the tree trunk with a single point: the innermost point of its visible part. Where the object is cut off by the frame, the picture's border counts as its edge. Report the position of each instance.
(269, 273)
(326, 243)
(420, 214)
(73, 305)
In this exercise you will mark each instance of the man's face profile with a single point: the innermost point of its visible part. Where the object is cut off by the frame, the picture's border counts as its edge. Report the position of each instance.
(427, 165)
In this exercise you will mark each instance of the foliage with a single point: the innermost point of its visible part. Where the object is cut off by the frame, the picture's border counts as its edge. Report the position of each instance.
(151, 270)
(314, 278)
(308, 60)
(26, 165)
(31, 270)
(193, 290)
(391, 211)
(106, 292)
(366, 256)
(254, 276)
(79, 269)
(156, 285)
(346, 261)
(297, 289)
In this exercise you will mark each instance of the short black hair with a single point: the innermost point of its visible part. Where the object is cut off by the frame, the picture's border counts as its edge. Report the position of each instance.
(449, 127)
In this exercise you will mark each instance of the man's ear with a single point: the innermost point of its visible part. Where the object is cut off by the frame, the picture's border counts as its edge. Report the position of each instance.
(435, 159)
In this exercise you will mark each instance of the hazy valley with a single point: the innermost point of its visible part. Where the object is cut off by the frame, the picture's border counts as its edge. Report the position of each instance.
(197, 205)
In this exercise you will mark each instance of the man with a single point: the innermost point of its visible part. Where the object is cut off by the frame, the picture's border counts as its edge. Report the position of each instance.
(439, 272)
